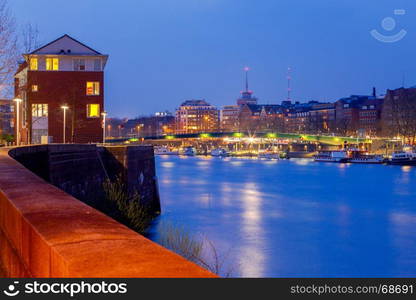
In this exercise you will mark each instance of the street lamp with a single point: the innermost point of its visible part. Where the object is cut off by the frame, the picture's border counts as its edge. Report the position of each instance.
(18, 101)
(138, 129)
(104, 114)
(64, 108)
(109, 130)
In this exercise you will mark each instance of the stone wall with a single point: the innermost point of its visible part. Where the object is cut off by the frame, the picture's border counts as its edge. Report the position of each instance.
(45, 232)
(80, 170)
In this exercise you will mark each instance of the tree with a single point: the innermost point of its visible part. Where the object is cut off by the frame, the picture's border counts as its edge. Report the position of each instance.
(30, 38)
(8, 49)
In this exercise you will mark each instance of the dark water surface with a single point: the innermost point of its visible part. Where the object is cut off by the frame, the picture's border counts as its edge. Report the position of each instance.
(298, 217)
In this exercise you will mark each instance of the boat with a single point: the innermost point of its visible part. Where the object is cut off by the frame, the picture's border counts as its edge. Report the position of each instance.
(164, 151)
(269, 155)
(189, 151)
(368, 159)
(407, 157)
(339, 156)
(357, 156)
(219, 152)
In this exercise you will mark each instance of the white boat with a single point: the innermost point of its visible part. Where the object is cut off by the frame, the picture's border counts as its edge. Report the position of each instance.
(269, 155)
(164, 151)
(407, 157)
(219, 152)
(189, 151)
(340, 156)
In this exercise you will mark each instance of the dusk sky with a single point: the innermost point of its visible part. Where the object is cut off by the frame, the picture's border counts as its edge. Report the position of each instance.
(163, 52)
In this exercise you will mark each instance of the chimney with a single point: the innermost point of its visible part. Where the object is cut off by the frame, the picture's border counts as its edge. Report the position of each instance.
(374, 92)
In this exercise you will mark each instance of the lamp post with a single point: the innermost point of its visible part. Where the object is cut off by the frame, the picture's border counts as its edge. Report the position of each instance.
(64, 108)
(18, 101)
(109, 130)
(140, 126)
(104, 114)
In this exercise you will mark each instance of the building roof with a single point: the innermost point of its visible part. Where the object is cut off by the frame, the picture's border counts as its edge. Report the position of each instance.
(195, 103)
(65, 45)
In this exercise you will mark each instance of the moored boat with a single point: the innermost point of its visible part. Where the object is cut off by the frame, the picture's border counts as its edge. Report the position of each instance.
(407, 157)
(368, 159)
(357, 156)
(164, 151)
(339, 156)
(269, 155)
(219, 152)
(189, 151)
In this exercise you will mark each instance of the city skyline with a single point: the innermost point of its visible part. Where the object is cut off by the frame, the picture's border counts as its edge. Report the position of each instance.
(198, 50)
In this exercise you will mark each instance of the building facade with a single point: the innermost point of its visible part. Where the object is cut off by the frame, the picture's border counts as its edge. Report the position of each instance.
(63, 73)
(194, 116)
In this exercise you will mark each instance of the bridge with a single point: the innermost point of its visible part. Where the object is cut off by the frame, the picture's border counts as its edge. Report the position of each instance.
(322, 139)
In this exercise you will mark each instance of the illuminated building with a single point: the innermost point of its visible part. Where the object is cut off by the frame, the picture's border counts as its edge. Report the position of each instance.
(64, 72)
(246, 95)
(195, 116)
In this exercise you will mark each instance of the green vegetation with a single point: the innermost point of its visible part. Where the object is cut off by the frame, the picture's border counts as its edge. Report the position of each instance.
(7, 138)
(123, 205)
(194, 248)
(126, 207)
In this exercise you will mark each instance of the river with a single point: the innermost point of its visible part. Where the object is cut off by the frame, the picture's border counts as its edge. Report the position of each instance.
(295, 218)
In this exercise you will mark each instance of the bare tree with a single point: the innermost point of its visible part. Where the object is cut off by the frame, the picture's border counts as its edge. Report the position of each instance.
(8, 49)
(30, 38)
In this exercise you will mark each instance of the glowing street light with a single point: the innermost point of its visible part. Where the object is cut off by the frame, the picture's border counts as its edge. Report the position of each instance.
(18, 101)
(104, 114)
(64, 108)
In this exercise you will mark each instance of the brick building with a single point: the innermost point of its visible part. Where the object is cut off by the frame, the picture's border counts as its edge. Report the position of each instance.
(195, 116)
(68, 73)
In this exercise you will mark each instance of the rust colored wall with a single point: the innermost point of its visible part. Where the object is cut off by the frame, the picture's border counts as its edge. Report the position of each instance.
(44, 232)
(69, 88)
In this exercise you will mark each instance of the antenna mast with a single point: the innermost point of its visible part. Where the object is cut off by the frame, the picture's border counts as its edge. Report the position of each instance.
(289, 88)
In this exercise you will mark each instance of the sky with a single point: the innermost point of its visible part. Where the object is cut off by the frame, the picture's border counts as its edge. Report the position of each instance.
(163, 52)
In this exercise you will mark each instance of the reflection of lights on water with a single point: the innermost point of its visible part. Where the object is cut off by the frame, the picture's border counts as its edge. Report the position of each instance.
(168, 164)
(406, 169)
(236, 163)
(203, 163)
(403, 219)
(303, 161)
(252, 254)
(269, 161)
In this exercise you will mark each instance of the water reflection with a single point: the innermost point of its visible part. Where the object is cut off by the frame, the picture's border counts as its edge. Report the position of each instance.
(297, 217)
(251, 255)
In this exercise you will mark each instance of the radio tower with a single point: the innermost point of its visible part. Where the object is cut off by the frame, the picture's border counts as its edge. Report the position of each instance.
(289, 89)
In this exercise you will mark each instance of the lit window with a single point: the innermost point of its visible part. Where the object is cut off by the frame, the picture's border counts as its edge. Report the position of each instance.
(39, 110)
(35, 88)
(97, 64)
(79, 64)
(52, 64)
(93, 110)
(34, 64)
(93, 88)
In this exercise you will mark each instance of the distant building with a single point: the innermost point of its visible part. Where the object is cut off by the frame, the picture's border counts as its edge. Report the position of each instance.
(229, 118)
(246, 95)
(156, 125)
(357, 114)
(195, 116)
(64, 72)
(399, 114)
(6, 117)
(322, 117)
